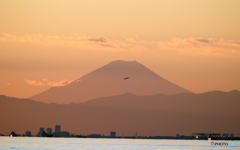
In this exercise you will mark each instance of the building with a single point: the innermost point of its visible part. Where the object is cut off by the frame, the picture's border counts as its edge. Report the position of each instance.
(112, 134)
(57, 128)
(49, 130)
(59, 133)
(41, 130)
(225, 135)
(28, 133)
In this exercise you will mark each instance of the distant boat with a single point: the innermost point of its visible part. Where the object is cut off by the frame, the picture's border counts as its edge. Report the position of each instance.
(213, 136)
(13, 134)
(44, 134)
(49, 135)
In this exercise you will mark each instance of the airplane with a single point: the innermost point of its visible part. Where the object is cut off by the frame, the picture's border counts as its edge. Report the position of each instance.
(126, 78)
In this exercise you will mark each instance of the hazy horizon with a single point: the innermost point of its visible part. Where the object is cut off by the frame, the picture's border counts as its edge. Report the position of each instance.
(159, 115)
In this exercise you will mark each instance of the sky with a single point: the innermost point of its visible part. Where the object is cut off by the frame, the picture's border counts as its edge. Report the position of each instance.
(45, 43)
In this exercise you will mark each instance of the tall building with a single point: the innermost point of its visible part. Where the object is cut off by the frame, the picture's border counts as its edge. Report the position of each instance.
(49, 130)
(59, 133)
(41, 130)
(57, 128)
(113, 134)
(225, 135)
(28, 133)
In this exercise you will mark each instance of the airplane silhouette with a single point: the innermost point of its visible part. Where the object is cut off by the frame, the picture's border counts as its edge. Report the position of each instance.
(126, 78)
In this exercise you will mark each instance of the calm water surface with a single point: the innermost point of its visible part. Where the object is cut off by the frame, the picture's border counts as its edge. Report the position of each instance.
(103, 144)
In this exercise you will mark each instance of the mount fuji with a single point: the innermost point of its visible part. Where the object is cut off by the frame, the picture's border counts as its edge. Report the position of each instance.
(115, 78)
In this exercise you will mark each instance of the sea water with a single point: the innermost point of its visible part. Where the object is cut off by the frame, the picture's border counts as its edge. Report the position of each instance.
(109, 144)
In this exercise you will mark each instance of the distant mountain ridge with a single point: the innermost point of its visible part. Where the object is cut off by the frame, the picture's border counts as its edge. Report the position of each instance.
(108, 81)
(213, 102)
(151, 115)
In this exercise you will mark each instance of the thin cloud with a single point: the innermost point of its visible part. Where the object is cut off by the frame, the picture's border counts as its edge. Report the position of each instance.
(34, 82)
(75, 41)
(195, 46)
(78, 80)
(50, 83)
(59, 83)
(200, 46)
(44, 79)
(203, 40)
(98, 40)
(107, 45)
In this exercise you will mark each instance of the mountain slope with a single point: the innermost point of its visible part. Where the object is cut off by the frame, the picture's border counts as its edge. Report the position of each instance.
(108, 81)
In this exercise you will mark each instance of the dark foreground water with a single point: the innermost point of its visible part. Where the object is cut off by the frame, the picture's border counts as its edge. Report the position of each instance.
(109, 144)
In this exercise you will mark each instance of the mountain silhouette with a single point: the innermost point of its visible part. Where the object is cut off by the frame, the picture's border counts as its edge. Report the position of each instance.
(151, 115)
(115, 78)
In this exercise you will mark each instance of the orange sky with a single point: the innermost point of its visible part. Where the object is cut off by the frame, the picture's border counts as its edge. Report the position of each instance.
(194, 44)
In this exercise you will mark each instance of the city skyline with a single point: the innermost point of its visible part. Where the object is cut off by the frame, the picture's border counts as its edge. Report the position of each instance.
(194, 44)
(66, 134)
